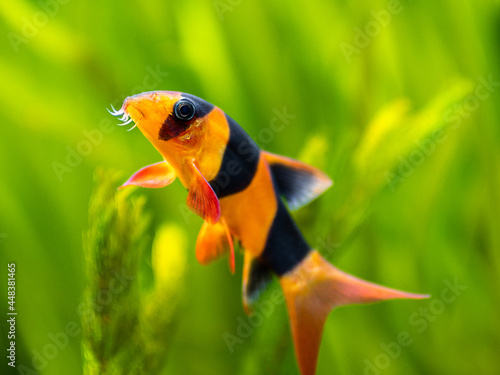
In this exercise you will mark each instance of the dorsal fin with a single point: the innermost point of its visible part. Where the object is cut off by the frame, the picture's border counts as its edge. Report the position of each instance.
(256, 276)
(298, 182)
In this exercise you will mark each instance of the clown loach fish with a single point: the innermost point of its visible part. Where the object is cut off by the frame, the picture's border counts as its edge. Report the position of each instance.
(238, 189)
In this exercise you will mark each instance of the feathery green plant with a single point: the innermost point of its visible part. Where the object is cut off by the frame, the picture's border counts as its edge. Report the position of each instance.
(126, 326)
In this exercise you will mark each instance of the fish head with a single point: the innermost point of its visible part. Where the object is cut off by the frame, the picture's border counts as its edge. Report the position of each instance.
(173, 122)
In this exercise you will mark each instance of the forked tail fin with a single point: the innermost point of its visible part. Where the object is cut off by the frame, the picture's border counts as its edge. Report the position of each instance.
(315, 287)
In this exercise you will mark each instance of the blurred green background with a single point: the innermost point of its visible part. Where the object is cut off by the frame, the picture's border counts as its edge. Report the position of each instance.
(397, 102)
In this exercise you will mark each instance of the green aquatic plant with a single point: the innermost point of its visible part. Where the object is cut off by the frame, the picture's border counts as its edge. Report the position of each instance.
(127, 324)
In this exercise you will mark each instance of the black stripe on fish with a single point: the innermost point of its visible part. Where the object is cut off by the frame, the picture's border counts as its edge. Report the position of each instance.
(239, 162)
(285, 246)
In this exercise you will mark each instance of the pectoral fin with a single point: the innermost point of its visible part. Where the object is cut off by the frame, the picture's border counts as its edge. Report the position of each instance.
(153, 176)
(214, 240)
(298, 182)
(202, 199)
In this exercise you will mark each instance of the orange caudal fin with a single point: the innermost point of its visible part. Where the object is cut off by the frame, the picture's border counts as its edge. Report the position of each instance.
(315, 287)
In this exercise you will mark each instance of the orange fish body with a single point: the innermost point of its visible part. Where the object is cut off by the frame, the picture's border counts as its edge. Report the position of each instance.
(238, 190)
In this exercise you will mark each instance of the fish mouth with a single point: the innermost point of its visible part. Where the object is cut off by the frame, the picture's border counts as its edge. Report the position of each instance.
(126, 117)
(148, 110)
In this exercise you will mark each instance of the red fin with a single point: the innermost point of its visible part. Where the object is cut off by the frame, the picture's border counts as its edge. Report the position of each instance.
(202, 199)
(153, 176)
(214, 240)
(298, 182)
(315, 287)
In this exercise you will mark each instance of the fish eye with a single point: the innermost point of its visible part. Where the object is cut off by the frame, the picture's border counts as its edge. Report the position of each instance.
(184, 110)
